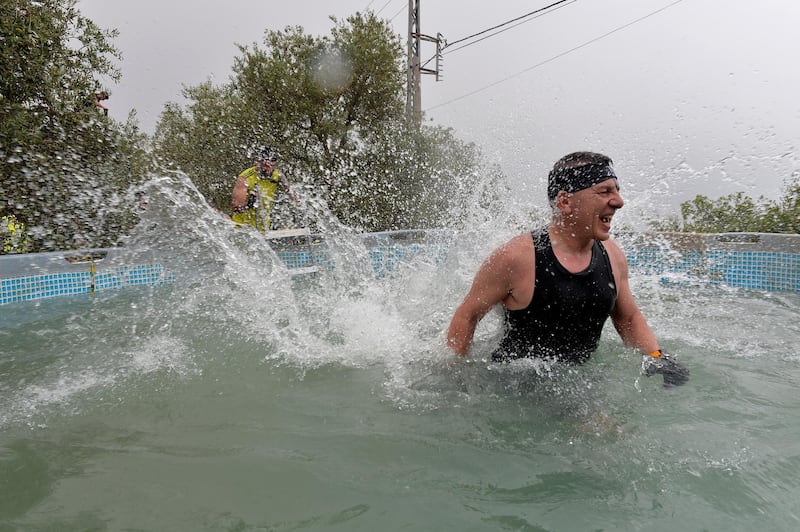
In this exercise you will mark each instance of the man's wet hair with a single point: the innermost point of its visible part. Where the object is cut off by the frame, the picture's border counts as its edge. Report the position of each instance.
(581, 158)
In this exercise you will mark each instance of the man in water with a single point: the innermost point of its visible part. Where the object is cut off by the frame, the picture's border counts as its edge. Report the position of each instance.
(255, 191)
(559, 285)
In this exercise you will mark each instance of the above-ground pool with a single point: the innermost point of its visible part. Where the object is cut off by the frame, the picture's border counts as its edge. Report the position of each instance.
(226, 394)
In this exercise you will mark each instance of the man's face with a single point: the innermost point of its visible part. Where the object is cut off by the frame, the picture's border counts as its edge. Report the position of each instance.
(594, 207)
(266, 165)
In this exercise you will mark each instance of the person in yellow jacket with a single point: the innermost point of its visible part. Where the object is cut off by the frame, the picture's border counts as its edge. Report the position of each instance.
(12, 235)
(255, 191)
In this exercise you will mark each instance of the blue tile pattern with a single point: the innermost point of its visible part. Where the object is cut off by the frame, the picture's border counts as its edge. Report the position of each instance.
(28, 288)
(755, 270)
(388, 258)
(302, 258)
(750, 269)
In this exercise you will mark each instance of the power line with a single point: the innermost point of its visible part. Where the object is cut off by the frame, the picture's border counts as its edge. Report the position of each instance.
(505, 23)
(395, 15)
(510, 27)
(538, 12)
(558, 56)
(384, 7)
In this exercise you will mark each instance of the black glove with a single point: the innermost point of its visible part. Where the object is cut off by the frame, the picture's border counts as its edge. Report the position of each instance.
(665, 364)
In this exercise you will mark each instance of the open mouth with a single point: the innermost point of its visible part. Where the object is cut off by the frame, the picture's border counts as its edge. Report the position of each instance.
(605, 219)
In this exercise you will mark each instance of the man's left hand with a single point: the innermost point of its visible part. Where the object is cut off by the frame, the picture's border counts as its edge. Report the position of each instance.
(674, 373)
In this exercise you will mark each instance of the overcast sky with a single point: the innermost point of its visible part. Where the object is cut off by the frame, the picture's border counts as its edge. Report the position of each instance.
(688, 97)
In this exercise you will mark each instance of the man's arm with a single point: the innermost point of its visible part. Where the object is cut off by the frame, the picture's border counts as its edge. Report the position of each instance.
(626, 315)
(632, 327)
(493, 283)
(239, 195)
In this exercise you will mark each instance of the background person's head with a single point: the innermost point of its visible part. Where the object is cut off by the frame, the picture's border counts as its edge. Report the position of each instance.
(266, 159)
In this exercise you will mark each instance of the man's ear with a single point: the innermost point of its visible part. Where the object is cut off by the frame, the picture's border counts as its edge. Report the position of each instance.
(564, 202)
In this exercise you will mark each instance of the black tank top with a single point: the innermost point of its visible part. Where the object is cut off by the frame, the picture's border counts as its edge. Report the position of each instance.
(568, 310)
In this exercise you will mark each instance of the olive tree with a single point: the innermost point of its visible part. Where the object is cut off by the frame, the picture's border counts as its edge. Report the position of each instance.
(334, 107)
(62, 164)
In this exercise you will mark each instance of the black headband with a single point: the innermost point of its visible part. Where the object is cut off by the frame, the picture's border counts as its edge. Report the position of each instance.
(578, 178)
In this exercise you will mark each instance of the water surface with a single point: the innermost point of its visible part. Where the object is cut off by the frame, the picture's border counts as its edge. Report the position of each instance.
(239, 399)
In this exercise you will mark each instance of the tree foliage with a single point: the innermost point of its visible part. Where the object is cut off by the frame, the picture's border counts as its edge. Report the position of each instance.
(334, 107)
(62, 164)
(741, 213)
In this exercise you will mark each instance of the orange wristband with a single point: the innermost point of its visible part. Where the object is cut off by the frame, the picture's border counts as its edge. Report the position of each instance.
(656, 354)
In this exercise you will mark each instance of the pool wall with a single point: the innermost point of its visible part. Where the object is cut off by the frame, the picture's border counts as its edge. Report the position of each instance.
(32, 276)
(756, 261)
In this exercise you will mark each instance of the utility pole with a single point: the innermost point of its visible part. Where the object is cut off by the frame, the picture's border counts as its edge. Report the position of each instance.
(415, 69)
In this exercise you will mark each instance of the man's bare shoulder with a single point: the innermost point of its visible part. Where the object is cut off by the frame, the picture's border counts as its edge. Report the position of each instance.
(615, 255)
(513, 254)
(518, 245)
(613, 248)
